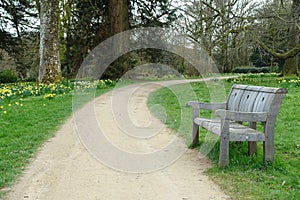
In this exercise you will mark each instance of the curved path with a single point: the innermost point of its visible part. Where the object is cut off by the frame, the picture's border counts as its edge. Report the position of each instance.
(64, 168)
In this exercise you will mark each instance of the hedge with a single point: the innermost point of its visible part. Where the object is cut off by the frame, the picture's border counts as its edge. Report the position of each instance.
(245, 70)
(8, 76)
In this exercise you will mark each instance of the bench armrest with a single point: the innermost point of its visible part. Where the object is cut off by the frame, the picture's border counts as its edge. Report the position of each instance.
(242, 116)
(206, 106)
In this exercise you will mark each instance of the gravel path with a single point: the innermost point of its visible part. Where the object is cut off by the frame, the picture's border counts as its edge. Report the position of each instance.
(67, 166)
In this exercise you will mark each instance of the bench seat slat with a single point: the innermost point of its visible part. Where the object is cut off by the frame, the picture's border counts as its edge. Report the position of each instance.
(237, 132)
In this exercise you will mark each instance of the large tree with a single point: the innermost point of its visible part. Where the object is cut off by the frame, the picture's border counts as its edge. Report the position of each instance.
(291, 63)
(49, 71)
(285, 18)
(86, 23)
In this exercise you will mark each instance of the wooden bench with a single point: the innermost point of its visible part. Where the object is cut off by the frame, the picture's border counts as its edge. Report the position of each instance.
(245, 103)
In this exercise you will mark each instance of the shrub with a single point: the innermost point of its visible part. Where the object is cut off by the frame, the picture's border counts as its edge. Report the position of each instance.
(245, 70)
(30, 79)
(8, 76)
(265, 69)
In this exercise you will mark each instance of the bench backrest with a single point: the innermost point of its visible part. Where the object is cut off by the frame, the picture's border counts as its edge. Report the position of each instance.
(247, 98)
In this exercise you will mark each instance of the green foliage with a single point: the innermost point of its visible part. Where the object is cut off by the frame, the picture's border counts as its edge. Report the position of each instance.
(86, 24)
(247, 177)
(8, 76)
(259, 58)
(18, 20)
(157, 13)
(245, 70)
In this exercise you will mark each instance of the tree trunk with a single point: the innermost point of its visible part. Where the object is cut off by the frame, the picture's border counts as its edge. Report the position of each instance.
(117, 22)
(50, 71)
(118, 16)
(291, 64)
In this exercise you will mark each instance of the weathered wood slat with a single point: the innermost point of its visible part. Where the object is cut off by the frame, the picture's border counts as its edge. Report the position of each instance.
(262, 103)
(237, 132)
(260, 88)
(242, 116)
(207, 106)
(247, 101)
(234, 99)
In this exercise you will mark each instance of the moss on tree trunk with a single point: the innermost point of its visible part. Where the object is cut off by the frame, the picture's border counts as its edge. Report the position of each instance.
(50, 70)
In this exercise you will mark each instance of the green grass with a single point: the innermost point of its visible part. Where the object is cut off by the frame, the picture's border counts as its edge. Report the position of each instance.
(30, 114)
(247, 177)
(25, 124)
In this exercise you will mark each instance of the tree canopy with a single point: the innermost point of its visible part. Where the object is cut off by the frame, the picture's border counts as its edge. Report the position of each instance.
(234, 32)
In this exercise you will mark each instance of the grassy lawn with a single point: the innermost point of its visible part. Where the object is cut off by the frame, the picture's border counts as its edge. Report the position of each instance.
(247, 177)
(29, 115)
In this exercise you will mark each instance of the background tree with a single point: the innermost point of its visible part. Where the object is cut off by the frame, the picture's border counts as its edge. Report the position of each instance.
(18, 33)
(83, 25)
(213, 24)
(81, 29)
(234, 32)
(86, 23)
(158, 13)
(279, 31)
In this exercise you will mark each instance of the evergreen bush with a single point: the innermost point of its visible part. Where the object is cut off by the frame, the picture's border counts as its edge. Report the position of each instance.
(253, 70)
(8, 76)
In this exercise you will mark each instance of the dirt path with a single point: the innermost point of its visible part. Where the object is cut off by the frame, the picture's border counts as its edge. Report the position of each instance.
(65, 169)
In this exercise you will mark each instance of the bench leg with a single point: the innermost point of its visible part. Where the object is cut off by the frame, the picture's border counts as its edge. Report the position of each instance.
(269, 151)
(269, 142)
(252, 148)
(224, 152)
(195, 135)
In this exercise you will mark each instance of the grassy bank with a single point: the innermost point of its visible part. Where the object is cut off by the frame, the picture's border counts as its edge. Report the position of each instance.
(246, 177)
